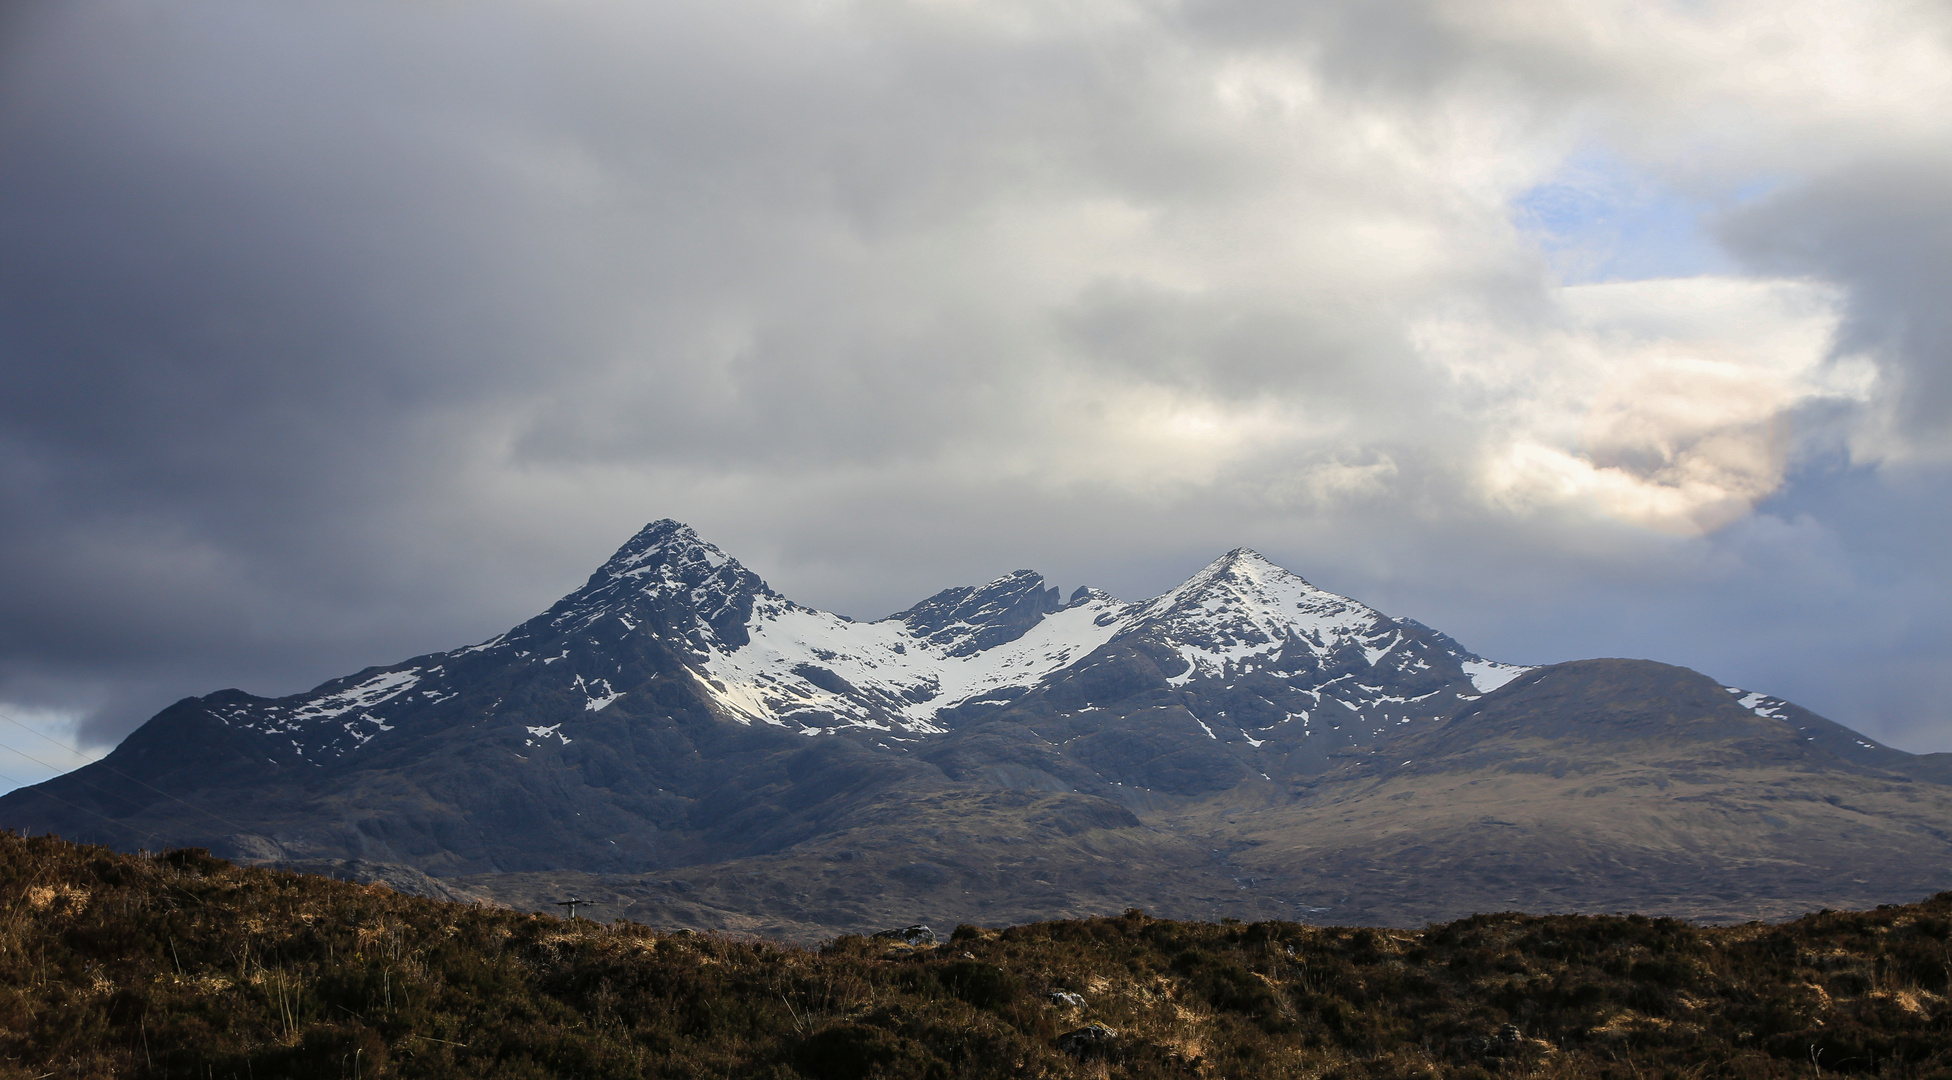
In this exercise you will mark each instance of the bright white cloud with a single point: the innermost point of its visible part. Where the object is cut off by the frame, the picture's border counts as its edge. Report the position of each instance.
(1669, 404)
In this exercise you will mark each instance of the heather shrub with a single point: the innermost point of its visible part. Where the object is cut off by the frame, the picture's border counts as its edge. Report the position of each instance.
(184, 965)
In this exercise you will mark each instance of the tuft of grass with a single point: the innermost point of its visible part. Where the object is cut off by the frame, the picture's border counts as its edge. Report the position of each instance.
(182, 965)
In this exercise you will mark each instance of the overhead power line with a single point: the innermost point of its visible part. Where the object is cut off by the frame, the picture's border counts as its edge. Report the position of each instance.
(284, 856)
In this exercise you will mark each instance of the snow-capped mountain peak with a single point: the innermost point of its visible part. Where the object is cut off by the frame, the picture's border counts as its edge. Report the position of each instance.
(663, 543)
(669, 605)
(1242, 606)
(668, 558)
(1242, 574)
(666, 581)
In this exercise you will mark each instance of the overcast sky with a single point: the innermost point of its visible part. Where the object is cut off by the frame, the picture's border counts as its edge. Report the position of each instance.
(336, 333)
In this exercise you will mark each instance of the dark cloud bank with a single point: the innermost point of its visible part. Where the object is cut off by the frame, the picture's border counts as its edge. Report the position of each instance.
(334, 334)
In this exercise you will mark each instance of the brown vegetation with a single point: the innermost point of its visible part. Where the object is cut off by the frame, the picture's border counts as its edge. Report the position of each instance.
(183, 965)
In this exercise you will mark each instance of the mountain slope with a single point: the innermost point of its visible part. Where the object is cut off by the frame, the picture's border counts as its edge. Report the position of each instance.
(680, 737)
(1642, 787)
(1609, 785)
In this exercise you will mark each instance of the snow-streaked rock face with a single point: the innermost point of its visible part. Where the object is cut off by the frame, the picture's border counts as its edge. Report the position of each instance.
(669, 605)
(340, 716)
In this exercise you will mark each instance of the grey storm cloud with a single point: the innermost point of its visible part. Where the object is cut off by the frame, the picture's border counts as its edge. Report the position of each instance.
(331, 334)
(1882, 230)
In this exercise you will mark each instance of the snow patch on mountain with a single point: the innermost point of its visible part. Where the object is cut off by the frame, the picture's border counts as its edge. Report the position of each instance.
(1760, 704)
(597, 694)
(801, 665)
(365, 695)
(1489, 675)
(544, 734)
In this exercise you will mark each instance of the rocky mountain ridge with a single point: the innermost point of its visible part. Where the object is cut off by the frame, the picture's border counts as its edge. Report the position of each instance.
(999, 749)
(757, 657)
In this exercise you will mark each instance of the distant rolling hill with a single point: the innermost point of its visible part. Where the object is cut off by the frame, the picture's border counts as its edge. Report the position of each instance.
(684, 744)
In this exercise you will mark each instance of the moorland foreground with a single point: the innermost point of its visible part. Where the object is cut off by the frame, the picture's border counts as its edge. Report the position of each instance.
(180, 964)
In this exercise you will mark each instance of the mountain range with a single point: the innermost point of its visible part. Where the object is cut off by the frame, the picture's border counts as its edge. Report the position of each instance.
(683, 745)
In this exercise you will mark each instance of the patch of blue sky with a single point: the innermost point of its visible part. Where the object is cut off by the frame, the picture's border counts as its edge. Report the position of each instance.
(38, 744)
(1601, 219)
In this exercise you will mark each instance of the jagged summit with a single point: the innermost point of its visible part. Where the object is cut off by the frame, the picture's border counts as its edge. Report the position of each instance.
(1243, 609)
(664, 541)
(1245, 569)
(969, 619)
(666, 583)
(1240, 580)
